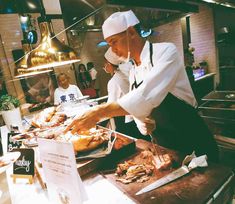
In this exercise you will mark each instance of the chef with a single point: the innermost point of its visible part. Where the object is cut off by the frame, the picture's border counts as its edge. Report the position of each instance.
(160, 90)
(117, 87)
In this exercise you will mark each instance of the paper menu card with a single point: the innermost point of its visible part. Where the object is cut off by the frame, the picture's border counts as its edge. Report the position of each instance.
(62, 179)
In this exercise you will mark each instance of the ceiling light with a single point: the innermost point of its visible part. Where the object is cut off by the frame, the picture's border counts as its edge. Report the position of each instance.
(210, 1)
(31, 5)
(50, 52)
(24, 19)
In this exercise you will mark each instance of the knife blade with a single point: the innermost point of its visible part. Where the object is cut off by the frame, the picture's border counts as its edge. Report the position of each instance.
(200, 161)
(166, 179)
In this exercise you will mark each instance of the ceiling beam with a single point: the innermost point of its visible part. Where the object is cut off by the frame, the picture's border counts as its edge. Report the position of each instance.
(165, 5)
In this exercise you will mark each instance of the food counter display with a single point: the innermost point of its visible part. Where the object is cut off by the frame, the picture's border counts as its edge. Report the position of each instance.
(114, 167)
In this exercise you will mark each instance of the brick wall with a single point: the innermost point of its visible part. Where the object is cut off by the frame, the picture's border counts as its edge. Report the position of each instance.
(203, 37)
(171, 32)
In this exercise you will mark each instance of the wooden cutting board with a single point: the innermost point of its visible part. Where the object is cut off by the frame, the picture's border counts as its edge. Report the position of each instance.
(196, 187)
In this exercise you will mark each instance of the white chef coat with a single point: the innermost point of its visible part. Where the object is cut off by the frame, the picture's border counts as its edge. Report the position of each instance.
(167, 75)
(66, 95)
(118, 85)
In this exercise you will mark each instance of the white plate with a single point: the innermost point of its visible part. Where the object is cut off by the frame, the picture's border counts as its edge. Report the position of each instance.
(9, 159)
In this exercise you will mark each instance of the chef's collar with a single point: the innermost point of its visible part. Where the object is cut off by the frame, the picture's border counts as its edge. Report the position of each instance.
(145, 54)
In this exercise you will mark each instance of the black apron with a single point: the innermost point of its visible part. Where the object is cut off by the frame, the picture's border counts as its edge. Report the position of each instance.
(179, 127)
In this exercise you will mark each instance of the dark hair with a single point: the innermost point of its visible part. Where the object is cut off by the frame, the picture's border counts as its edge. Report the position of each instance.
(62, 74)
(138, 28)
(84, 76)
(80, 66)
(90, 65)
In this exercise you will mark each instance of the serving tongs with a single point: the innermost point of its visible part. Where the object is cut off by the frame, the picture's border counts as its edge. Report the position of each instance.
(156, 149)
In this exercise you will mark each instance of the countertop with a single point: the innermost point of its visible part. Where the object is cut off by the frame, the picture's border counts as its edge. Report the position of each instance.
(199, 186)
(22, 193)
(205, 76)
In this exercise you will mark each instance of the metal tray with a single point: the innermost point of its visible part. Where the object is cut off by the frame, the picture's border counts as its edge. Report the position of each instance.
(220, 96)
(218, 109)
(221, 126)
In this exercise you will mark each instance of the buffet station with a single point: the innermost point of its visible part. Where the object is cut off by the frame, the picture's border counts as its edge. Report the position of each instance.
(101, 166)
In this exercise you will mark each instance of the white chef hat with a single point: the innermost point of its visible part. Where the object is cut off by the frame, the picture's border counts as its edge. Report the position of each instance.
(111, 57)
(118, 22)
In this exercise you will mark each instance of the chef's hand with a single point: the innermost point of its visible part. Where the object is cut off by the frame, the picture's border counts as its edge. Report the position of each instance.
(84, 122)
(147, 126)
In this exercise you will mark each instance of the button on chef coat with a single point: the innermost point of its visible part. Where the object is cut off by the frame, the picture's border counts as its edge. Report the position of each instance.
(167, 75)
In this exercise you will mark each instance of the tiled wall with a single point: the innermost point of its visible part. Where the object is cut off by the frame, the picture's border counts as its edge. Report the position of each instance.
(11, 37)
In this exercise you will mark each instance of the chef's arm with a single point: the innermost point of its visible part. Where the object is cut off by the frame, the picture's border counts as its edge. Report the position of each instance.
(96, 114)
(156, 85)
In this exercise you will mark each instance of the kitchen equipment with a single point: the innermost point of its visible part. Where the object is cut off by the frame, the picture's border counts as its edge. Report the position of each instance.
(218, 111)
(183, 170)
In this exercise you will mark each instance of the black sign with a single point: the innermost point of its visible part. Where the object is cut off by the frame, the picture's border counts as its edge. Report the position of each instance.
(11, 144)
(24, 165)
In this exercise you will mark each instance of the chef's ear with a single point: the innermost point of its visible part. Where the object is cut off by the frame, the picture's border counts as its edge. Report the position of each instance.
(132, 32)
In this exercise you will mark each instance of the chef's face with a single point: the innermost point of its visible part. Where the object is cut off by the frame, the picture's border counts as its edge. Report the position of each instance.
(109, 68)
(119, 44)
(63, 81)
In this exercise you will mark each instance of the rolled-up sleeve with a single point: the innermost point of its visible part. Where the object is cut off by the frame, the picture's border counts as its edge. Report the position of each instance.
(158, 83)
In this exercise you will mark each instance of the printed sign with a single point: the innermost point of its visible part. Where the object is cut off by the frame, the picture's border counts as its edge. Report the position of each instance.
(11, 144)
(24, 165)
(63, 182)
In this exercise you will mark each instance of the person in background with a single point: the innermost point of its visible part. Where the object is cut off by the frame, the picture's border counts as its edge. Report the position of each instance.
(118, 86)
(160, 90)
(92, 71)
(102, 79)
(84, 77)
(65, 92)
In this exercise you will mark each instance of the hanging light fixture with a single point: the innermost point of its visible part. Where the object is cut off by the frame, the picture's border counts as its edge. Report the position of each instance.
(21, 69)
(50, 52)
